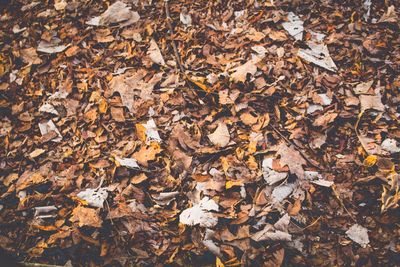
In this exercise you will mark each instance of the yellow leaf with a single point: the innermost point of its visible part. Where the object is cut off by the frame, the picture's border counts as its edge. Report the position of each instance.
(141, 132)
(102, 106)
(230, 184)
(225, 164)
(218, 263)
(201, 85)
(370, 160)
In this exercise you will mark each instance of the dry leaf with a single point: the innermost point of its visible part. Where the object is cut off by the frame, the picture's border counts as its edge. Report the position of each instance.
(220, 137)
(358, 234)
(200, 214)
(292, 158)
(325, 119)
(30, 56)
(82, 216)
(117, 13)
(155, 53)
(239, 74)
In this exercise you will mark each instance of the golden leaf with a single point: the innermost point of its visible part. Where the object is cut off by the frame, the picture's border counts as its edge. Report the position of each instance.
(370, 160)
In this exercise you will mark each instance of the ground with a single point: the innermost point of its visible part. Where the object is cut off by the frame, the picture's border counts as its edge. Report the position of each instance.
(200, 133)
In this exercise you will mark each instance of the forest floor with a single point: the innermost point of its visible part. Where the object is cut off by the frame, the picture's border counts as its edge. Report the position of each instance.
(200, 133)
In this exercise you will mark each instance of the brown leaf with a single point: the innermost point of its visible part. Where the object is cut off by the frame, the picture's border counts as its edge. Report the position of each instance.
(30, 56)
(325, 119)
(292, 158)
(83, 216)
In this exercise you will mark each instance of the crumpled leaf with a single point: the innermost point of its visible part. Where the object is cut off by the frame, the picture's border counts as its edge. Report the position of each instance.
(358, 234)
(94, 197)
(117, 13)
(200, 214)
(220, 137)
(147, 153)
(281, 192)
(155, 53)
(269, 233)
(390, 16)
(325, 119)
(83, 216)
(371, 102)
(132, 84)
(28, 179)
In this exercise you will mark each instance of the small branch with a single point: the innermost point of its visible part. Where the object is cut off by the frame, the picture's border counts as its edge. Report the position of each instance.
(176, 52)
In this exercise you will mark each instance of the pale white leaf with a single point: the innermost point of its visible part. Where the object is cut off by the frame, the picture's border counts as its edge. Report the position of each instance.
(94, 197)
(294, 26)
(46, 127)
(155, 53)
(358, 234)
(318, 54)
(130, 163)
(200, 214)
(220, 137)
(390, 145)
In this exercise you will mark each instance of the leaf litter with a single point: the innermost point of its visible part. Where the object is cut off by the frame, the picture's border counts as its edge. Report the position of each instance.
(200, 133)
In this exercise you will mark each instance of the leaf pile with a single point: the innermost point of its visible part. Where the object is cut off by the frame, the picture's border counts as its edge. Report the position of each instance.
(253, 133)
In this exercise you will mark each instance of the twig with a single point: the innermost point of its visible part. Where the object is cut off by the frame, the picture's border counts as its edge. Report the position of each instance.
(176, 52)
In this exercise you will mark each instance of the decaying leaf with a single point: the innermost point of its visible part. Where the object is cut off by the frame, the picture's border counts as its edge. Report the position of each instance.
(294, 26)
(48, 127)
(130, 163)
(51, 47)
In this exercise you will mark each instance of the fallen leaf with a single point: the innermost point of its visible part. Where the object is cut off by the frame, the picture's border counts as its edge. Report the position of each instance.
(200, 214)
(36, 153)
(220, 137)
(117, 13)
(51, 47)
(294, 26)
(94, 197)
(319, 55)
(325, 119)
(30, 56)
(239, 74)
(292, 158)
(83, 216)
(49, 126)
(130, 163)
(358, 234)
(155, 53)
